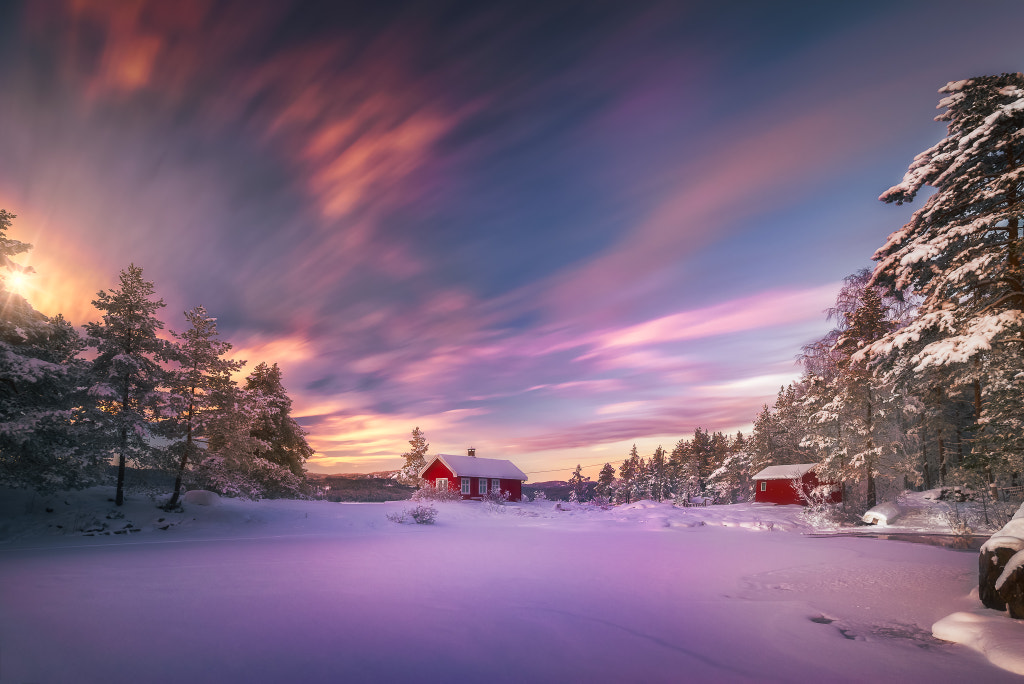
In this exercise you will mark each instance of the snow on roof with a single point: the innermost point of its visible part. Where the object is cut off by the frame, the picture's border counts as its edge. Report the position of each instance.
(471, 466)
(785, 472)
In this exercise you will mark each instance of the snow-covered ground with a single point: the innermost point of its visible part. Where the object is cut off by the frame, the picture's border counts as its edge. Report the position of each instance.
(277, 591)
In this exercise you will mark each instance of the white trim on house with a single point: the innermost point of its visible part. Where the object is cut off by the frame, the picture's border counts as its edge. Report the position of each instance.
(465, 486)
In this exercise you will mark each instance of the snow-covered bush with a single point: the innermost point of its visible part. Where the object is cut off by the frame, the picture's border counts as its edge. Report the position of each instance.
(956, 517)
(421, 515)
(424, 515)
(498, 498)
(818, 511)
(540, 495)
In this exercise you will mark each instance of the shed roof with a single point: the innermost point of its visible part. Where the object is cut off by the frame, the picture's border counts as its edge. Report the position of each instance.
(785, 472)
(471, 466)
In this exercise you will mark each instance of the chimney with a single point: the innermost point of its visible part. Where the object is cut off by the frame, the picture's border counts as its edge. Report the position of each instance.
(472, 451)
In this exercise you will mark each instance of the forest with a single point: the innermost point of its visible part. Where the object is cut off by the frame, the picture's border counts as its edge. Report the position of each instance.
(919, 383)
(73, 405)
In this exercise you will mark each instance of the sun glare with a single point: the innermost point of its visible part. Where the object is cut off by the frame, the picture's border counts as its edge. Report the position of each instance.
(17, 281)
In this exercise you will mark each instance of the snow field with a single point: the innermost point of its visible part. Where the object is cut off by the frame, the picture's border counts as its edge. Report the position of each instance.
(320, 592)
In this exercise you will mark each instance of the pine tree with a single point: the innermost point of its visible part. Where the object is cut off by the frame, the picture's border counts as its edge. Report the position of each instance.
(284, 442)
(606, 480)
(962, 253)
(126, 373)
(415, 458)
(628, 472)
(41, 422)
(201, 386)
(578, 484)
(658, 474)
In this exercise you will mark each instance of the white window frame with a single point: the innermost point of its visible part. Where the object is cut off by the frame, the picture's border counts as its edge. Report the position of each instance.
(496, 485)
(764, 485)
(481, 484)
(465, 486)
(441, 483)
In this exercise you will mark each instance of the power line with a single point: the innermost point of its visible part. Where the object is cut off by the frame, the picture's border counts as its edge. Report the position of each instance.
(555, 470)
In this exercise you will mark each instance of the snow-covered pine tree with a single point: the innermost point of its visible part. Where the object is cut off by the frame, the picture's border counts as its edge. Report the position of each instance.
(578, 484)
(628, 472)
(284, 441)
(658, 474)
(606, 480)
(126, 374)
(41, 423)
(962, 253)
(200, 387)
(415, 458)
(641, 485)
(854, 421)
(677, 469)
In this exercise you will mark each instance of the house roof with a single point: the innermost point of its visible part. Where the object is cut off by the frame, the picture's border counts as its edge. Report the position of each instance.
(785, 472)
(471, 466)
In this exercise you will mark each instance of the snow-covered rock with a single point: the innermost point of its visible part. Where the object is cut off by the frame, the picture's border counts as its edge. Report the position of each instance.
(882, 514)
(201, 497)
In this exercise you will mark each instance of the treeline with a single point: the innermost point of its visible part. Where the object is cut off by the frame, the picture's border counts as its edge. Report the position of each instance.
(70, 405)
(920, 383)
(709, 464)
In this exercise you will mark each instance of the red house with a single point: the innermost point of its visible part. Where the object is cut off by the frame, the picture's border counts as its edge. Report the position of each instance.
(782, 484)
(473, 476)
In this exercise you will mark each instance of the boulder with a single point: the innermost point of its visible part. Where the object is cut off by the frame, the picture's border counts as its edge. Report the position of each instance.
(1010, 585)
(201, 497)
(882, 514)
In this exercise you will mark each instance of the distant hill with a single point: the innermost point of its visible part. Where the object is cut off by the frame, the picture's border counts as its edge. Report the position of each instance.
(365, 487)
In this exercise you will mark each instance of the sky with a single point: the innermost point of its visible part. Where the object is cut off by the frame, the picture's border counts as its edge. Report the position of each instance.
(547, 230)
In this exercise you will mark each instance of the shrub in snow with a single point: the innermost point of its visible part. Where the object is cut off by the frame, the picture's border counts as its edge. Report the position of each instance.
(424, 515)
(956, 519)
(421, 515)
(540, 495)
(498, 498)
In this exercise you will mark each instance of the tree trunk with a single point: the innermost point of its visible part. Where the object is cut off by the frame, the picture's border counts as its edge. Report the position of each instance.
(185, 454)
(119, 497)
(870, 463)
(942, 460)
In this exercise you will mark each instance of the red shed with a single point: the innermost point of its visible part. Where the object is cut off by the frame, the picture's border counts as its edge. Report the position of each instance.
(778, 484)
(474, 476)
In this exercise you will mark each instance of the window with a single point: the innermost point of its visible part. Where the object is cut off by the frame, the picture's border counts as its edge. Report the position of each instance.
(764, 485)
(465, 485)
(483, 486)
(441, 483)
(496, 485)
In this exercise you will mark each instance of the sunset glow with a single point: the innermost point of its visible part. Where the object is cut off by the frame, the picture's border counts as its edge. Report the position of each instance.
(550, 231)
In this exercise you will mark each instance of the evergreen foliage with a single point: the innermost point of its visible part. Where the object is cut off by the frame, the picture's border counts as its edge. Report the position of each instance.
(126, 375)
(578, 484)
(201, 387)
(282, 441)
(415, 458)
(42, 425)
